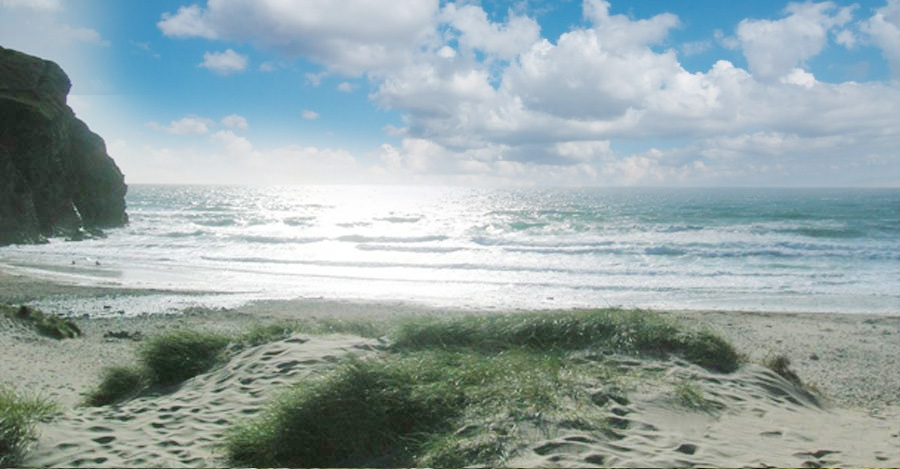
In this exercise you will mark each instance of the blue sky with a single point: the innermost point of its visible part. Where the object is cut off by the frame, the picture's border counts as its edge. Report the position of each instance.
(754, 93)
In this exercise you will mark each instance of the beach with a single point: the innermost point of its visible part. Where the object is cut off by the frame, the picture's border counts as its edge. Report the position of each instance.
(849, 360)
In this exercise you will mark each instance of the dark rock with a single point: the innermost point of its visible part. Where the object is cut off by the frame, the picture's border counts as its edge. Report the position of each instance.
(56, 178)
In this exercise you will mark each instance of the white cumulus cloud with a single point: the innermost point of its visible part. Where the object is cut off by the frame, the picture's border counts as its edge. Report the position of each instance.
(39, 5)
(774, 47)
(233, 145)
(189, 21)
(190, 125)
(225, 63)
(884, 29)
(309, 114)
(236, 122)
(476, 32)
(488, 99)
(346, 87)
(359, 36)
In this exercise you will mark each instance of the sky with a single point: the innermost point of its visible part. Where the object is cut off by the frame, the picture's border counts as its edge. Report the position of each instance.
(508, 93)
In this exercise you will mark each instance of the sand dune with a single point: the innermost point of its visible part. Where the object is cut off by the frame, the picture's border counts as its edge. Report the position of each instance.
(754, 418)
(185, 427)
(749, 418)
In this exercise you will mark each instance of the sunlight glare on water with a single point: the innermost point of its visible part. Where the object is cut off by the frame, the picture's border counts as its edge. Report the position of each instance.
(771, 250)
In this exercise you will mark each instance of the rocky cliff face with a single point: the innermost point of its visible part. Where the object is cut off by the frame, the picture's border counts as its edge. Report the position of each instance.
(55, 176)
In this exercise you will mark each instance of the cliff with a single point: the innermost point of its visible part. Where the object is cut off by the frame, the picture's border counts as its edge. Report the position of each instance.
(55, 176)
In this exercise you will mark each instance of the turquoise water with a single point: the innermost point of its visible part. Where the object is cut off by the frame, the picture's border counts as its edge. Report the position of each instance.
(731, 249)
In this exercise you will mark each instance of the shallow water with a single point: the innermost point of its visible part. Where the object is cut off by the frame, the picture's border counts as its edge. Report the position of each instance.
(727, 249)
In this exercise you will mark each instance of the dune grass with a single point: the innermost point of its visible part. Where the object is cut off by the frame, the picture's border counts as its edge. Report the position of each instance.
(268, 332)
(616, 331)
(180, 355)
(781, 365)
(691, 396)
(117, 383)
(431, 408)
(163, 361)
(171, 358)
(18, 414)
(453, 392)
(47, 325)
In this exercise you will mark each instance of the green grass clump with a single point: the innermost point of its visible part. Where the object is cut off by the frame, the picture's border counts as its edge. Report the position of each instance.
(403, 410)
(180, 355)
(359, 413)
(116, 384)
(18, 415)
(47, 325)
(781, 365)
(163, 361)
(453, 392)
(630, 332)
(691, 396)
(269, 332)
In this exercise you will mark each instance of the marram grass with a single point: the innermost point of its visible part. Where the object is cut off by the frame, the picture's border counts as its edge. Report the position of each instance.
(18, 414)
(453, 392)
(174, 357)
(615, 331)
(448, 392)
(163, 360)
(180, 355)
(48, 325)
(404, 410)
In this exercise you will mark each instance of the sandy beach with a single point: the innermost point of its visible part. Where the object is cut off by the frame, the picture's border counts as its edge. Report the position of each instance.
(754, 418)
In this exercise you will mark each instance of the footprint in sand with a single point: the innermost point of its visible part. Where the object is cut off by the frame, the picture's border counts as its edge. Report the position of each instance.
(687, 448)
(105, 440)
(618, 422)
(564, 447)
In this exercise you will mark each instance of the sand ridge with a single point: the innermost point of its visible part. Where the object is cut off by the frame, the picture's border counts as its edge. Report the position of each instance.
(754, 418)
(185, 428)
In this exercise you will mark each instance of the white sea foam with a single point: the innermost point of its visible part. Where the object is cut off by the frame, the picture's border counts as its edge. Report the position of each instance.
(738, 249)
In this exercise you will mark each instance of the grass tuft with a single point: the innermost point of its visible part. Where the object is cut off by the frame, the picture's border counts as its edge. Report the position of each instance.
(691, 396)
(404, 410)
(18, 414)
(181, 355)
(163, 361)
(629, 332)
(781, 365)
(117, 383)
(48, 325)
(453, 392)
(363, 410)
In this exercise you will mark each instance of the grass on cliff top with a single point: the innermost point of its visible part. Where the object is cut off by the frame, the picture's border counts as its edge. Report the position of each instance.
(18, 414)
(454, 392)
(47, 325)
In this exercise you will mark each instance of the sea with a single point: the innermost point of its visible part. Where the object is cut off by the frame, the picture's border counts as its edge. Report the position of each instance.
(731, 249)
